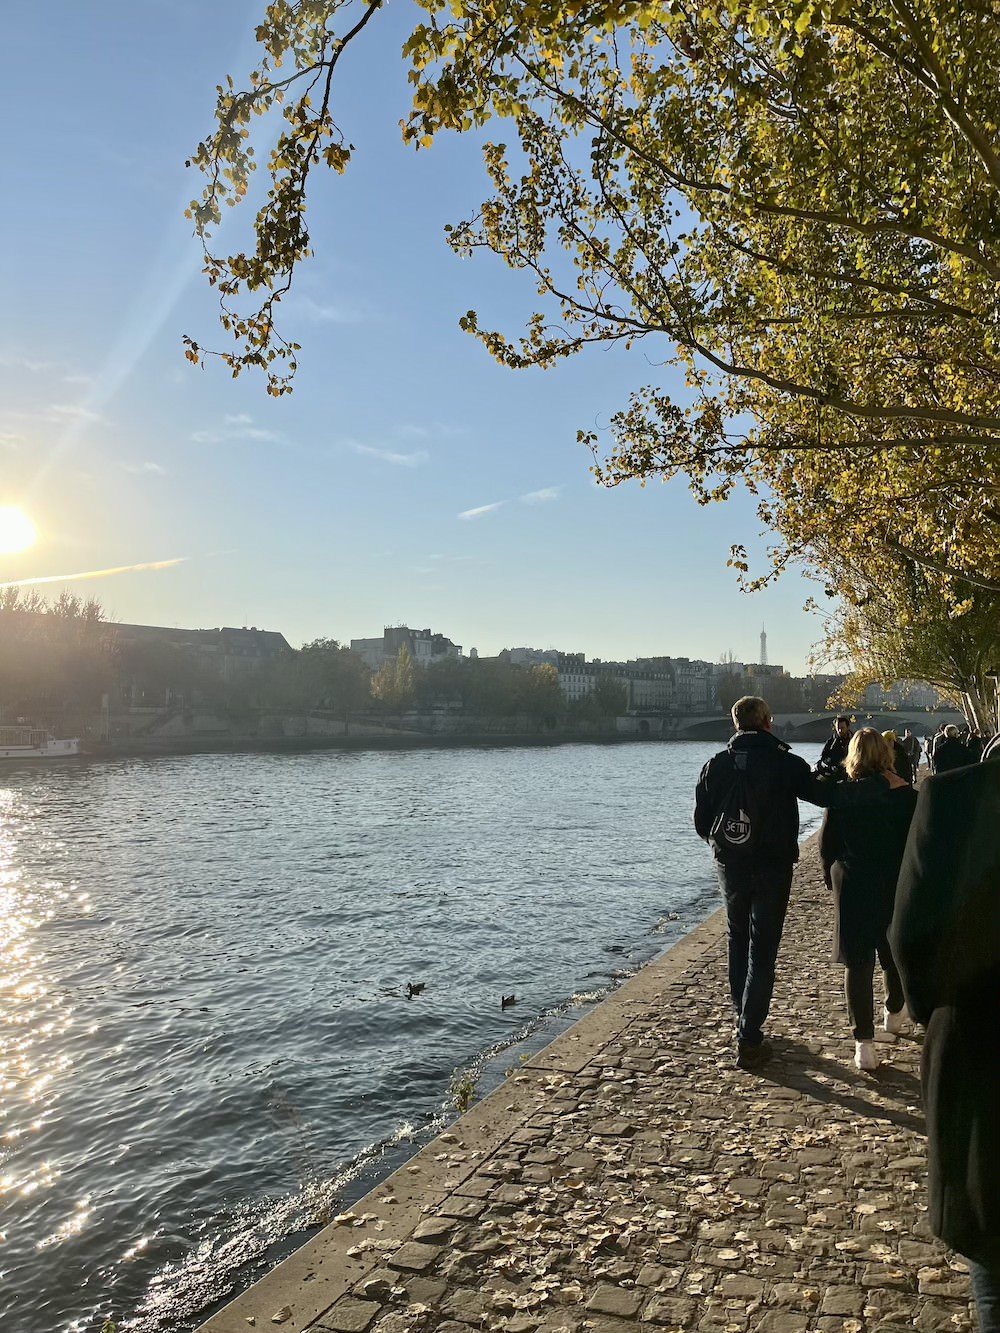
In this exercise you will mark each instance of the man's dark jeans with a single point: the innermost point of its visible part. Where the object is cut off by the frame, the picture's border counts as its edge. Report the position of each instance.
(986, 1292)
(756, 902)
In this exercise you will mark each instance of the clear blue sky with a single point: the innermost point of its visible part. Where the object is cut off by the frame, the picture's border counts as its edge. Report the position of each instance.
(338, 509)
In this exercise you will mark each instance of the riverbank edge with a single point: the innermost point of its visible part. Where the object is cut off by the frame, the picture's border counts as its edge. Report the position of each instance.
(322, 1270)
(630, 1178)
(142, 748)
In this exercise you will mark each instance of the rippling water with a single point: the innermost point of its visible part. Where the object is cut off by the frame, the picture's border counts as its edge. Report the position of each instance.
(206, 1040)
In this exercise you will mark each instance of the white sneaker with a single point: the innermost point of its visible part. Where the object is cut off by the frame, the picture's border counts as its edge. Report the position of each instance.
(865, 1055)
(893, 1023)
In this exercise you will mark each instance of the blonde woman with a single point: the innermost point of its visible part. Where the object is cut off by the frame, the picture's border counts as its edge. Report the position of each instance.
(861, 849)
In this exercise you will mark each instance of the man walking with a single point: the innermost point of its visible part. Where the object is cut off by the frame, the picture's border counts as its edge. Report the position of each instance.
(831, 760)
(912, 747)
(746, 808)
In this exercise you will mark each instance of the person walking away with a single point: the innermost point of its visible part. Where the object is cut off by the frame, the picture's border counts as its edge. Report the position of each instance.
(900, 759)
(974, 743)
(912, 747)
(861, 848)
(746, 809)
(929, 743)
(831, 760)
(949, 752)
(945, 937)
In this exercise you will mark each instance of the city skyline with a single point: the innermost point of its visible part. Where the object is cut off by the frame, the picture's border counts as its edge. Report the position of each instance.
(407, 471)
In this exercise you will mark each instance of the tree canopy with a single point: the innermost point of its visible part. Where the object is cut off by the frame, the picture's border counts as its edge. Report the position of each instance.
(795, 203)
(899, 620)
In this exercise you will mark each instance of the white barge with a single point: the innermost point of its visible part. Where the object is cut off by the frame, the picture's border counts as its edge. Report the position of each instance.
(34, 743)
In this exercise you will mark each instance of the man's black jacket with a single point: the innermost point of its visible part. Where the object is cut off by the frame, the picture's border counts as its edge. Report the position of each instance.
(945, 938)
(834, 752)
(780, 779)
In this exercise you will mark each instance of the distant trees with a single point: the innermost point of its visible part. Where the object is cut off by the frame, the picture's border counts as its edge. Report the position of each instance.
(783, 693)
(54, 656)
(608, 699)
(910, 624)
(322, 674)
(393, 685)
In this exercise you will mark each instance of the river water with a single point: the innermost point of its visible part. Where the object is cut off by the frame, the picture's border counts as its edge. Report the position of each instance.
(207, 1045)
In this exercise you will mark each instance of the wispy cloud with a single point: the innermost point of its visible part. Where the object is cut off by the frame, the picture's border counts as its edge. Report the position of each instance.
(66, 372)
(97, 573)
(237, 427)
(540, 497)
(317, 312)
(415, 459)
(480, 510)
(10, 361)
(65, 412)
(141, 469)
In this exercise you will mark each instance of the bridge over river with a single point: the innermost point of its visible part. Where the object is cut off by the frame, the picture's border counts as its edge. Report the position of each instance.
(791, 726)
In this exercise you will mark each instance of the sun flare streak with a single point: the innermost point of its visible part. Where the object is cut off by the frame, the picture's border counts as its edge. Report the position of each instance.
(96, 573)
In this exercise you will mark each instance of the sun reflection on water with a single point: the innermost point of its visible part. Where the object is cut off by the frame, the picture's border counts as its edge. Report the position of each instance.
(34, 1019)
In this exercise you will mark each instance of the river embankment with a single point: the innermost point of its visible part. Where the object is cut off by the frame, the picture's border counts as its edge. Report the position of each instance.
(206, 969)
(151, 746)
(629, 1177)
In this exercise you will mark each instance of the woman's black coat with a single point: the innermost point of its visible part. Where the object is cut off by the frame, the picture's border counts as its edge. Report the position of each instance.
(861, 848)
(945, 937)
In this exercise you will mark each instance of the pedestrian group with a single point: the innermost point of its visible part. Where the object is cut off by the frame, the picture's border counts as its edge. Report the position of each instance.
(915, 885)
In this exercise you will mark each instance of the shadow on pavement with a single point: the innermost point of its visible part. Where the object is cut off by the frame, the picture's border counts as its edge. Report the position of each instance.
(897, 1091)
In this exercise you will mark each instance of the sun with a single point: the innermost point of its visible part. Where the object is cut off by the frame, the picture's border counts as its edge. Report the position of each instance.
(17, 532)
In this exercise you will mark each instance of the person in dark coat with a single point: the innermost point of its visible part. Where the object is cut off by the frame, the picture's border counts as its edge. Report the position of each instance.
(900, 758)
(912, 747)
(861, 848)
(755, 871)
(945, 936)
(834, 752)
(950, 752)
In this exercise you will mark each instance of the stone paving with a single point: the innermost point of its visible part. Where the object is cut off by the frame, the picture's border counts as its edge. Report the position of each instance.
(630, 1179)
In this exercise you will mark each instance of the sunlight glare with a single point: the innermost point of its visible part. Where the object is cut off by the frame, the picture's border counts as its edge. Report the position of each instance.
(17, 532)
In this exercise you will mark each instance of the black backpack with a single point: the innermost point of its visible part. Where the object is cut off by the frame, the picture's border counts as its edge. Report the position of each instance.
(736, 829)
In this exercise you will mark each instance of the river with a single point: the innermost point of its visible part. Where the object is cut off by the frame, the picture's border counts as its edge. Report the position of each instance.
(207, 1045)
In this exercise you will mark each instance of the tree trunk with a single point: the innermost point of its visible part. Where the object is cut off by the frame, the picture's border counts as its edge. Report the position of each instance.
(976, 711)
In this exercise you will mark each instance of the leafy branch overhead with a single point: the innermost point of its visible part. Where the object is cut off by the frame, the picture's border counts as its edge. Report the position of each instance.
(795, 203)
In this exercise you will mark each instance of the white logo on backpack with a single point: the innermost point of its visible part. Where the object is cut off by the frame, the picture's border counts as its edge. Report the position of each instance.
(737, 831)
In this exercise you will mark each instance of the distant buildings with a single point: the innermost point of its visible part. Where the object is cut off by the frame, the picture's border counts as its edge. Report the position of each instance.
(228, 651)
(679, 685)
(156, 662)
(902, 694)
(531, 656)
(424, 647)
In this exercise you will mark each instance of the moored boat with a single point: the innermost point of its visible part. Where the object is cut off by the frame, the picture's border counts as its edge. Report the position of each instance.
(34, 743)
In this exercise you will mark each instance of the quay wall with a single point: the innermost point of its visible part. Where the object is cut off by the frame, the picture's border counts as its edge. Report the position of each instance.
(629, 1178)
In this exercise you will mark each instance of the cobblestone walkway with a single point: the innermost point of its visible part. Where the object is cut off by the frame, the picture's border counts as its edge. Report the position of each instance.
(631, 1179)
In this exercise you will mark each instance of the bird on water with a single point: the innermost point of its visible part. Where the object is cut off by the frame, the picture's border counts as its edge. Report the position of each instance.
(414, 988)
(507, 1000)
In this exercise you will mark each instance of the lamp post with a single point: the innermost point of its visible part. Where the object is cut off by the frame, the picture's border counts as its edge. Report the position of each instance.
(992, 678)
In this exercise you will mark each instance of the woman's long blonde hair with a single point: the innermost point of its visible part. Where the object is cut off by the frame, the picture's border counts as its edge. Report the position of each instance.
(869, 752)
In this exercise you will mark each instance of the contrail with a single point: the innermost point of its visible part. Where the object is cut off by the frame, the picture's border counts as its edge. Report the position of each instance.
(95, 573)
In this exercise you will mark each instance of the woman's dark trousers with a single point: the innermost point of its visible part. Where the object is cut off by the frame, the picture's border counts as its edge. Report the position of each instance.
(860, 992)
